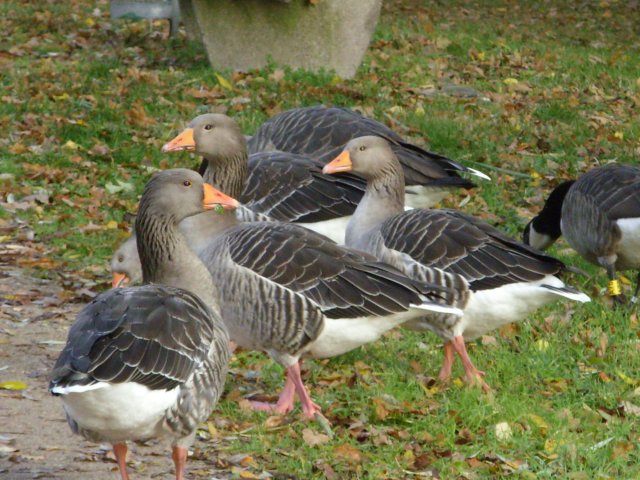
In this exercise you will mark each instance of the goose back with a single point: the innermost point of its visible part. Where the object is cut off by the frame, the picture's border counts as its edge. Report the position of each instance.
(292, 188)
(321, 132)
(595, 209)
(286, 274)
(462, 244)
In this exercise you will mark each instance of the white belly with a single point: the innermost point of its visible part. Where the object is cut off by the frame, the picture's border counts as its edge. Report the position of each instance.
(490, 309)
(344, 334)
(124, 411)
(629, 246)
(334, 229)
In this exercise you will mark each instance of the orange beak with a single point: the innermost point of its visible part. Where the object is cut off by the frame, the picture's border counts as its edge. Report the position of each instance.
(342, 163)
(213, 198)
(184, 141)
(119, 280)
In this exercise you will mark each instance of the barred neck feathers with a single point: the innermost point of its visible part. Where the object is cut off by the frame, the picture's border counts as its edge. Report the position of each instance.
(165, 256)
(228, 173)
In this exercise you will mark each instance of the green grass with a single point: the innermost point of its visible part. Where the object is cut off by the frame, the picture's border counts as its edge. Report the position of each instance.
(88, 102)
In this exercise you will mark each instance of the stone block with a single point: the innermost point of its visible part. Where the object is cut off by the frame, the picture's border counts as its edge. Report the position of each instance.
(244, 34)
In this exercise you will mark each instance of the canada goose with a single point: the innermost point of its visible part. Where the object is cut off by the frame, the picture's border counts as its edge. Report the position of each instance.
(599, 216)
(149, 361)
(321, 132)
(508, 280)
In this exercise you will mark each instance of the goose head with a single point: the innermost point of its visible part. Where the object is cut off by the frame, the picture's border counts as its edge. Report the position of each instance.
(210, 135)
(369, 157)
(178, 193)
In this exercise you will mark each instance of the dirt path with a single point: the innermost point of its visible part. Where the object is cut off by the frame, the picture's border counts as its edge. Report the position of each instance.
(35, 441)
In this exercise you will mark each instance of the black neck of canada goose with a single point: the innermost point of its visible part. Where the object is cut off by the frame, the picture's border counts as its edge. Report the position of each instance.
(544, 229)
(164, 253)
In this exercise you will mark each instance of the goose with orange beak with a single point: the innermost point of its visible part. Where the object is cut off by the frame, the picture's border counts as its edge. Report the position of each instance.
(280, 186)
(508, 279)
(125, 262)
(291, 292)
(149, 362)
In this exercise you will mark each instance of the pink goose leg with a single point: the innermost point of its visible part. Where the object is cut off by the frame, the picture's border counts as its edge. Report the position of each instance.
(120, 451)
(179, 456)
(474, 376)
(308, 406)
(447, 364)
(285, 400)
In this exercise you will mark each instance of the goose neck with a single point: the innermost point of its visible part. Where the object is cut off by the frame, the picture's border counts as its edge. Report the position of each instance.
(228, 173)
(167, 259)
(383, 199)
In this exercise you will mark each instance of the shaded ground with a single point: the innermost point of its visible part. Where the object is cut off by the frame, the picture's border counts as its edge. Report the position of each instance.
(35, 441)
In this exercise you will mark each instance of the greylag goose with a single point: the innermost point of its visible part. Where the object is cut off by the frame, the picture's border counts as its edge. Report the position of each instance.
(321, 132)
(281, 186)
(291, 292)
(149, 361)
(599, 216)
(508, 279)
(125, 264)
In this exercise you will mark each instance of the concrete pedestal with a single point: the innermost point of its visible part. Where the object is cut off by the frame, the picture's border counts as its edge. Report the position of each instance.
(244, 34)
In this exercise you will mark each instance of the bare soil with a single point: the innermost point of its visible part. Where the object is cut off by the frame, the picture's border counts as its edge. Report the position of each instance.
(35, 440)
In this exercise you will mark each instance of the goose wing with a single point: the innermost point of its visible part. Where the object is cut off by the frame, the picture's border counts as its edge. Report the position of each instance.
(151, 335)
(322, 132)
(615, 189)
(461, 244)
(343, 283)
(290, 187)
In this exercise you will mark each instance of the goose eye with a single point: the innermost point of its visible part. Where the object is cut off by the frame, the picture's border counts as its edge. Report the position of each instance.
(362, 148)
(208, 126)
(186, 183)
(120, 259)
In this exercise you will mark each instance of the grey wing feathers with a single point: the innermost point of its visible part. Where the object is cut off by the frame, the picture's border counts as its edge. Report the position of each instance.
(341, 282)
(461, 244)
(151, 335)
(614, 189)
(322, 132)
(290, 187)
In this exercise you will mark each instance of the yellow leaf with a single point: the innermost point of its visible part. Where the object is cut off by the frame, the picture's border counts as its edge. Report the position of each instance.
(89, 22)
(12, 385)
(224, 83)
(61, 98)
(112, 225)
(625, 378)
(420, 111)
(550, 446)
(71, 145)
(247, 474)
(539, 422)
(212, 429)
(542, 345)
(510, 81)
(619, 135)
